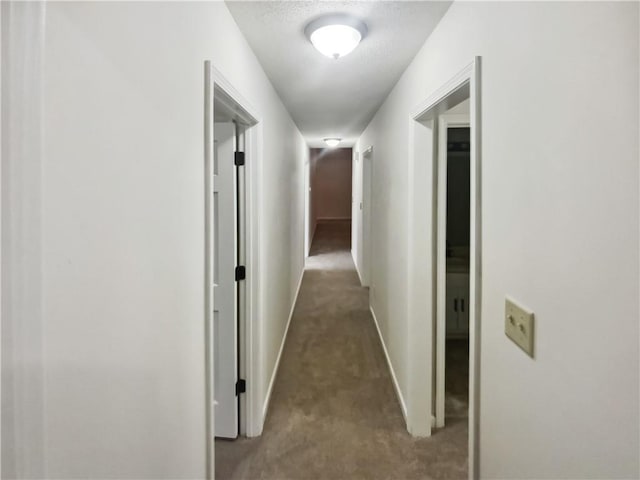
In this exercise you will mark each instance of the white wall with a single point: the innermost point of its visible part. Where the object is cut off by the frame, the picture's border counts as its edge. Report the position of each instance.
(122, 233)
(22, 342)
(559, 228)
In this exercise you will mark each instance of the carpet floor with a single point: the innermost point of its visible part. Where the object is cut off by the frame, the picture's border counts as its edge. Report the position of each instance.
(334, 413)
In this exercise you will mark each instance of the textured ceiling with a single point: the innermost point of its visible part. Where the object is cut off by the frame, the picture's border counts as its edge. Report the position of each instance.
(335, 98)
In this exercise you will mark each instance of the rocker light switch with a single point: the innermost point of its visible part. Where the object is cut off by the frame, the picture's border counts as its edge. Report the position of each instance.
(519, 326)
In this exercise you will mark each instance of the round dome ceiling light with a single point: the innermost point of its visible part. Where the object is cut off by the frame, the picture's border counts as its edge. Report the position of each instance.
(335, 35)
(332, 142)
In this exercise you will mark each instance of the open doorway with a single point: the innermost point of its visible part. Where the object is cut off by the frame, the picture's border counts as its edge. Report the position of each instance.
(452, 390)
(232, 263)
(330, 197)
(428, 296)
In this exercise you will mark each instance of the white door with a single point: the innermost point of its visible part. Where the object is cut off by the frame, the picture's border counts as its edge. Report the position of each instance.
(463, 314)
(452, 306)
(225, 323)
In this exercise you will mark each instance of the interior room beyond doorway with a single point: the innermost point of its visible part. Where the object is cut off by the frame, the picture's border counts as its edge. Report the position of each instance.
(330, 175)
(457, 275)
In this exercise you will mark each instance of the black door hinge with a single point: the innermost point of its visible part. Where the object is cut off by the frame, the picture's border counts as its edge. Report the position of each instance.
(241, 386)
(238, 159)
(241, 273)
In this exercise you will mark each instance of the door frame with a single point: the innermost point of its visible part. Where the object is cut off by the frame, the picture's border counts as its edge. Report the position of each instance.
(366, 158)
(445, 121)
(362, 174)
(422, 255)
(307, 205)
(219, 91)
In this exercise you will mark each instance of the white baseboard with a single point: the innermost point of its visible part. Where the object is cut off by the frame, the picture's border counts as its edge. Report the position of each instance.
(403, 404)
(284, 339)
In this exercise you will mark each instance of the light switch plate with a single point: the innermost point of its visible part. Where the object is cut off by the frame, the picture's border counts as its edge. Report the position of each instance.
(519, 326)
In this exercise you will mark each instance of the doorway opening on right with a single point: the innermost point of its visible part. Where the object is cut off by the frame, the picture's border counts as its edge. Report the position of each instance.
(454, 235)
(456, 104)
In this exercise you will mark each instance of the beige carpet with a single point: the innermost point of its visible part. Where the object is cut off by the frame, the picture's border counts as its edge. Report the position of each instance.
(334, 413)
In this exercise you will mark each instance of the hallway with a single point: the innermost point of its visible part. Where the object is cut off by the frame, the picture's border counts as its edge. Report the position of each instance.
(334, 413)
(112, 228)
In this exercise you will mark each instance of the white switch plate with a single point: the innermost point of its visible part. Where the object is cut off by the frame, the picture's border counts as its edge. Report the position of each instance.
(519, 325)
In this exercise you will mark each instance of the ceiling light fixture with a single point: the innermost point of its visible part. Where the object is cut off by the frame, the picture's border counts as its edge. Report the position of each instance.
(332, 142)
(335, 35)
